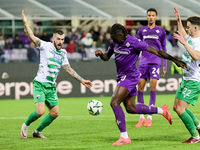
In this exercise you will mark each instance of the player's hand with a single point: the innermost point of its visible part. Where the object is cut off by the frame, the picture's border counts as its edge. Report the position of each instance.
(98, 53)
(87, 83)
(180, 63)
(24, 17)
(179, 37)
(164, 72)
(176, 13)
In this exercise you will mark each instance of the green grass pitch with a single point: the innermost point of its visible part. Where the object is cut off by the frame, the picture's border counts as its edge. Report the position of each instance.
(76, 129)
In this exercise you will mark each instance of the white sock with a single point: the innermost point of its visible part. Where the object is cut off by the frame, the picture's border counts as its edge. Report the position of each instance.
(198, 127)
(197, 137)
(149, 116)
(142, 116)
(25, 125)
(160, 111)
(124, 135)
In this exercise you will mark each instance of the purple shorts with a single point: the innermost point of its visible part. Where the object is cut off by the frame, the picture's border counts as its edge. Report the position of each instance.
(149, 71)
(129, 81)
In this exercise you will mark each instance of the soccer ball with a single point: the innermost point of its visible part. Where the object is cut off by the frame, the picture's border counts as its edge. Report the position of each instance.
(94, 107)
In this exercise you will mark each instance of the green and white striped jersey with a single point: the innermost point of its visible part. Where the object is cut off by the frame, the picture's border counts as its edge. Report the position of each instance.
(193, 70)
(51, 61)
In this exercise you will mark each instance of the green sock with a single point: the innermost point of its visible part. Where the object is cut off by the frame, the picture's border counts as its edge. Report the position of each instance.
(196, 121)
(187, 120)
(32, 117)
(47, 120)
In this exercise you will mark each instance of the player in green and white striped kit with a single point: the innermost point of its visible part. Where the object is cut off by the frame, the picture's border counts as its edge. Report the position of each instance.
(189, 89)
(52, 58)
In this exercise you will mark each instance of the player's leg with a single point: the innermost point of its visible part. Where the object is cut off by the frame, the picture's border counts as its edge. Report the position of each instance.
(39, 99)
(196, 121)
(152, 101)
(133, 108)
(40, 108)
(46, 121)
(52, 103)
(187, 93)
(179, 107)
(140, 97)
(118, 96)
(154, 75)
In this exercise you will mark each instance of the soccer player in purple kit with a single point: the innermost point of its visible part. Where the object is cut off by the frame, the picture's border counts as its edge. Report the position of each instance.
(126, 50)
(149, 64)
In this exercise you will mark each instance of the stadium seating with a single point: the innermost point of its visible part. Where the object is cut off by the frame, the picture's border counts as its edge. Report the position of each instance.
(7, 53)
(19, 54)
(74, 56)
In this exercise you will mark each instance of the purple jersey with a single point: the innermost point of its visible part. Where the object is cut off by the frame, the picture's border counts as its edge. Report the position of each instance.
(156, 38)
(126, 55)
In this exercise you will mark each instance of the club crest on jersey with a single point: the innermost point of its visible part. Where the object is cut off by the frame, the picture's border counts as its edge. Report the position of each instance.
(144, 30)
(157, 31)
(38, 96)
(191, 43)
(63, 54)
(57, 57)
(127, 44)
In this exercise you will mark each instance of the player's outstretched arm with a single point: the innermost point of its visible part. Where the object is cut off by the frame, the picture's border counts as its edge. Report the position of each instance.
(164, 55)
(31, 36)
(73, 73)
(104, 56)
(179, 23)
(195, 54)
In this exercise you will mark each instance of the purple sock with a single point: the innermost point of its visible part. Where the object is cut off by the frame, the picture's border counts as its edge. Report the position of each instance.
(144, 109)
(152, 99)
(140, 97)
(120, 118)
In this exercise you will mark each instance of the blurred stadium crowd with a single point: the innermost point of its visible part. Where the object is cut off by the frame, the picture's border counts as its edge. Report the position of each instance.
(79, 44)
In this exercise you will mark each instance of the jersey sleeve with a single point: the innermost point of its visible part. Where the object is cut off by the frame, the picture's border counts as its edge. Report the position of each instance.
(163, 39)
(111, 46)
(65, 60)
(140, 45)
(139, 34)
(42, 45)
(163, 45)
(187, 37)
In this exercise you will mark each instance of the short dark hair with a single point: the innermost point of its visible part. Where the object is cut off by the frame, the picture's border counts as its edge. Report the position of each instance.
(59, 31)
(117, 28)
(152, 9)
(194, 20)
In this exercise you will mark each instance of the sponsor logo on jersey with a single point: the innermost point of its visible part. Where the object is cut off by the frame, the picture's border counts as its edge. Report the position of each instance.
(185, 52)
(151, 37)
(125, 51)
(57, 57)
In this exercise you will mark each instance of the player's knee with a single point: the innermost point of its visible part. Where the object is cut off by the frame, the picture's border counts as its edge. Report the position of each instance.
(40, 112)
(152, 88)
(179, 110)
(114, 103)
(174, 108)
(55, 115)
(130, 109)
